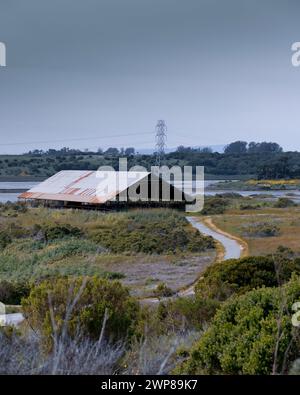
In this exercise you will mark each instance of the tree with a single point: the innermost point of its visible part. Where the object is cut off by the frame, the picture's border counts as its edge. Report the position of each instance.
(237, 147)
(205, 150)
(277, 168)
(130, 151)
(183, 149)
(111, 151)
(264, 147)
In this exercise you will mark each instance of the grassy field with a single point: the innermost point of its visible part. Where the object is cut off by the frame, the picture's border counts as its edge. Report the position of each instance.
(265, 229)
(142, 248)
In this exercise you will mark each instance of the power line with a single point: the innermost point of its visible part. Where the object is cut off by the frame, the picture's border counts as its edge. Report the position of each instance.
(73, 139)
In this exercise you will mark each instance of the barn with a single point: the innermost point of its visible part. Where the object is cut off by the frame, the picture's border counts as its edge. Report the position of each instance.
(105, 189)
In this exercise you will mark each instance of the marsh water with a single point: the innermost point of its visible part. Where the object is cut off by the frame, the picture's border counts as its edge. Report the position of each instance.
(8, 195)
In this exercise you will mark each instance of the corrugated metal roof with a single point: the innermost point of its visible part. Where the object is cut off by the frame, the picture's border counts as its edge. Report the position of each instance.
(84, 186)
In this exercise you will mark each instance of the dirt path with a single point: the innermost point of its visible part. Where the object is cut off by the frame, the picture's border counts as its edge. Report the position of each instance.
(228, 247)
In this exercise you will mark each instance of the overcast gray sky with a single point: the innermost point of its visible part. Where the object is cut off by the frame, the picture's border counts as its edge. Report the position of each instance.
(216, 71)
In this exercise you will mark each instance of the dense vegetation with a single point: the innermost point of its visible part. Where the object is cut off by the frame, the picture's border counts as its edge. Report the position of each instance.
(250, 334)
(149, 232)
(56, 263)
(95, 297)
(37, 243)
(261, 160)
(241, 275)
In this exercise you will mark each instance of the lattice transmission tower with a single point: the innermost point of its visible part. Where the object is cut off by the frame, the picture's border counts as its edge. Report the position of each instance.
(160, 138)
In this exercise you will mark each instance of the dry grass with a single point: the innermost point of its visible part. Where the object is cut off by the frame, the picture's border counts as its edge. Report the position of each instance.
(288, 220)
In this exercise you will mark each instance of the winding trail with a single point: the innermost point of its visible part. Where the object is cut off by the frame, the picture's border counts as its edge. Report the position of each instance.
(228, 247)
(234, 247)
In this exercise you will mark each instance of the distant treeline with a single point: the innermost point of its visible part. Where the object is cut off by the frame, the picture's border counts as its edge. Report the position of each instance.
(261, 160)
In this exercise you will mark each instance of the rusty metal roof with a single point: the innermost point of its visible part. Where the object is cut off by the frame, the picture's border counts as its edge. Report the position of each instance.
(84, 186)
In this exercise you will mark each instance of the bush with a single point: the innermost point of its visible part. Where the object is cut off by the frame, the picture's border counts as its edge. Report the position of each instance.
(263, 229)
(61, 231)
(214, 205)
(187, 313)
(284, 203)
(163, 291)
(5, 239)
(12, 293)
(88, 313)
(223, 279)
(149, 232)
(244, 332)
(246, 206)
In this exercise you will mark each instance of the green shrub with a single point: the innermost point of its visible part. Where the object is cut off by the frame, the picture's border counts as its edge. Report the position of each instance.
(261, 229)
(68, 248)
(12, 293)
(223, 279)
(214, 205)
(245, 206)
(60, 231)
(284, 203)
(162, 291)
(243, 334)
(149, 232)
(5, 239)
(190, 313)
(88, 313)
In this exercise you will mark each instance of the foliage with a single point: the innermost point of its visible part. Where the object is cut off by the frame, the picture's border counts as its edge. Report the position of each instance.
(95, 295)
(247, 206)
(244, 333)
(261, 229)
(262, 160)
(5, 239)
(59, 231)
(162, 291)
(149, 232)
(237, 147)
(223, 279)
(284, 202)
(189, 313)
(214, 205)
(12, 293)
(157, 354)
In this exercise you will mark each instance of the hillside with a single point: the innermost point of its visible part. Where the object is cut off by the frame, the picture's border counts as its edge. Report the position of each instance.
(228, 165)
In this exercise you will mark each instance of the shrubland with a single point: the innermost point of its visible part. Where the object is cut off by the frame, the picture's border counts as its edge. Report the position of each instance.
(250, 334)
(39, 243)
(238, 321)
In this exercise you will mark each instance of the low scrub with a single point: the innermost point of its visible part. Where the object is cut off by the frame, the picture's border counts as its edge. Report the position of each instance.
(284, 203)
(85, 302)
(223, 279)
(56, 232)
(11, 293)
(261, 229)
(149, 232)
(250, 334)
(215, 205)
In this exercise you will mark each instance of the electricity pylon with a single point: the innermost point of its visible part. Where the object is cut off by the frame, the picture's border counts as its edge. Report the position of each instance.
(160, 138)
